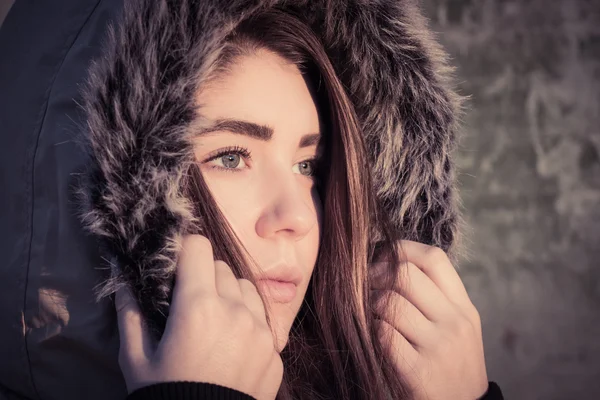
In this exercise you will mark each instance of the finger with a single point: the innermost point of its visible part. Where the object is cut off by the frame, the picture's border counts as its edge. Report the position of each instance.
(195, 268)
(135, 341)
(434, 262)
(226, 282)
(404, 317)
(253, 300)
(195, 282)
(418, 289)
(403, 354)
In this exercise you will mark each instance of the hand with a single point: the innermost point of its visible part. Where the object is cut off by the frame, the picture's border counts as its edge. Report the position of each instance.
(216, 331)
(431, 328)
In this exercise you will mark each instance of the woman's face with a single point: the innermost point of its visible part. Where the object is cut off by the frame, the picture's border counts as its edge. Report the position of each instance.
(257, 163)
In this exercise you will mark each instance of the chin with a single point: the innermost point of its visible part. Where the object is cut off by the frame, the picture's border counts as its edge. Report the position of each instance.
(281, 343)
(281, 322)
(280, 336)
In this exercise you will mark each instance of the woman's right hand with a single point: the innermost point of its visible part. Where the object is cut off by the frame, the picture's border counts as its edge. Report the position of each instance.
(216, 331)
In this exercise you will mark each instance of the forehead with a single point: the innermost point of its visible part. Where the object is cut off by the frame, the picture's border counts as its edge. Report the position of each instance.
(265, 89)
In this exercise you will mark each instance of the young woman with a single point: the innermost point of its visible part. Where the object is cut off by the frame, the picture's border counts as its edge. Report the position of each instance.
(273, 184)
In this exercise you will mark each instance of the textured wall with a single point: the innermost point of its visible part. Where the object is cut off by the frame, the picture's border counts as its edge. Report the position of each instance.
(530, 180)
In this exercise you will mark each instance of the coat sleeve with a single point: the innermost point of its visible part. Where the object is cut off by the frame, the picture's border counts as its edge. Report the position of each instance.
(493, 392)
(208, 391)
(187, 391)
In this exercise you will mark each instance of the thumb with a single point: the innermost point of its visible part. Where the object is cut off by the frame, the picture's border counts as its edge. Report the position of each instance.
(134, 347)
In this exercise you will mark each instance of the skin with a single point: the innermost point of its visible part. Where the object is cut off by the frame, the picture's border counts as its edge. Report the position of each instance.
(431, 328)
(217, 331)
(268, 198)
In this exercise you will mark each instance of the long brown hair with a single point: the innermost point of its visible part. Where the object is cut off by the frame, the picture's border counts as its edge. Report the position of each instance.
(333, 350)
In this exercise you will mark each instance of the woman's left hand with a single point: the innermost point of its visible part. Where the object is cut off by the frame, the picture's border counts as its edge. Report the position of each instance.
(431, 327)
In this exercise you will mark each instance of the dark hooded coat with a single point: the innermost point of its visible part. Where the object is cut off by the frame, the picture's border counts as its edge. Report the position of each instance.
(116, 135)
(139, 132)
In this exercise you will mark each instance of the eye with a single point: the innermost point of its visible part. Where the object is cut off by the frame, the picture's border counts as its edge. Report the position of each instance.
(306, 167)
(230, 159)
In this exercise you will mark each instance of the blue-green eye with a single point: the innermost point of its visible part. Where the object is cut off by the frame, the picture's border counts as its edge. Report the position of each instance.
(230, 159)
(306, 168)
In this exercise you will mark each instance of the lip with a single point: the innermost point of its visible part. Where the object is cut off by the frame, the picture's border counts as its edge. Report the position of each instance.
(278, 291)
(283, 273)
(280, 283)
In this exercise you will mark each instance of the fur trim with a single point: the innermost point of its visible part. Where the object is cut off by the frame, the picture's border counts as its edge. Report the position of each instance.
(139, 104)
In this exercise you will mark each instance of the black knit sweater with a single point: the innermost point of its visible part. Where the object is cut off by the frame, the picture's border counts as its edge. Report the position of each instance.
(209, 391)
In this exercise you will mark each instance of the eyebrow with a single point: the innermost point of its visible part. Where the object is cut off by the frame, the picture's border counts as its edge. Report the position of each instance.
(254, 130)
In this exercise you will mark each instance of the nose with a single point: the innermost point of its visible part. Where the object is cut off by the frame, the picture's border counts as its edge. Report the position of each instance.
(290, 209)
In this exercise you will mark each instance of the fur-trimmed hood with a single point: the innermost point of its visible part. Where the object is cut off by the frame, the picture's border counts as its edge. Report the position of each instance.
(139, 100)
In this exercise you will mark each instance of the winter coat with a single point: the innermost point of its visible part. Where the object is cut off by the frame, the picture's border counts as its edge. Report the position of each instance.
(66, 170)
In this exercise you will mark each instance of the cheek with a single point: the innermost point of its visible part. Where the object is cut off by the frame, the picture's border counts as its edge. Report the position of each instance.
(237, 200)
(318, 206)
(312, 241)
(241, 199)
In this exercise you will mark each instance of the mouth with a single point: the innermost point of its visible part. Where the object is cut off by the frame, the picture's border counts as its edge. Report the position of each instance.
(278, 291)
(280, 283)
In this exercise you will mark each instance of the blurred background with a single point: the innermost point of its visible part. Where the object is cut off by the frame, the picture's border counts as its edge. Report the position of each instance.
(530, 180)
